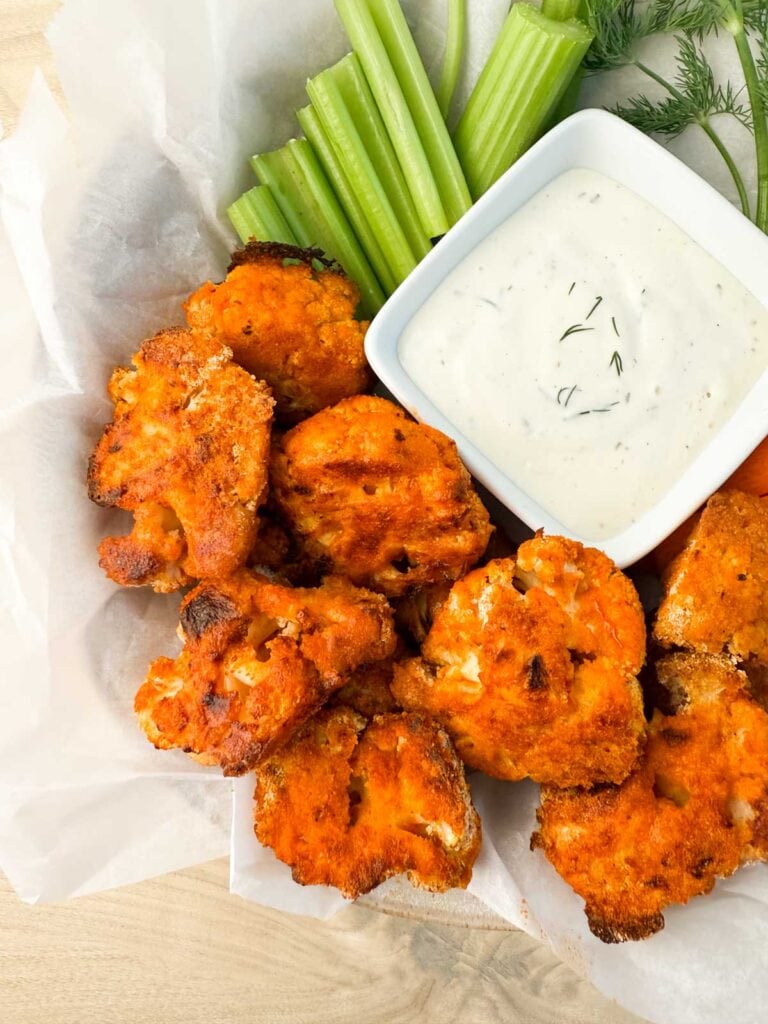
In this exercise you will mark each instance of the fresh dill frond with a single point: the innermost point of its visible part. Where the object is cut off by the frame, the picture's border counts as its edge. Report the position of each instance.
(617, 27)
(694, 17)
(696, 97)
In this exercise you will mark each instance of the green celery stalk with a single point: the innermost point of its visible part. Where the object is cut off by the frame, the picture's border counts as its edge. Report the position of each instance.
(256, 215)
(358, 99)
(568, 101)
(423, 106)
(528, 71)
(346, 194)
(310, 206)
(337, 175)
(560, 10)
(273, 169)
(490, 84)
(364, 35)
(350, 149)
(455, 40)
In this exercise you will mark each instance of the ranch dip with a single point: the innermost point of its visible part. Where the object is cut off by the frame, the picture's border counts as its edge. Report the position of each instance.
(590, 349)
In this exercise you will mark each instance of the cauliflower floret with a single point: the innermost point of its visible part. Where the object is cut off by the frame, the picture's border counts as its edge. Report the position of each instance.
(368, 689)
(259, 658)
(289, 324)
(530, 665)
(350, 803)
(379, 498)
(694, 809)
(187, 453)
(717, 588)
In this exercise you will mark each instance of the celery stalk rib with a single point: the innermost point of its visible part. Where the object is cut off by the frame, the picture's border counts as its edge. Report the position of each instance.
(273, 170)
(560, 10)
(423, 106)
(350, 149)
(313, 212)
(537, 59)
(256, 215)
(488, 85)
(358, 99)
(334, 169)
(364, 35)
(455, 40)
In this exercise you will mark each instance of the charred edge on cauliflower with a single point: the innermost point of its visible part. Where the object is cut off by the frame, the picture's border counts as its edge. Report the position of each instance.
(255, 252)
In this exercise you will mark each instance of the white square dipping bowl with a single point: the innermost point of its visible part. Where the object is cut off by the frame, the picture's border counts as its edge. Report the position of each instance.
(599, 141)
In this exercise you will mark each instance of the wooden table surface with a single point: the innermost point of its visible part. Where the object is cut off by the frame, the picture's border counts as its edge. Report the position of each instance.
(181, 949)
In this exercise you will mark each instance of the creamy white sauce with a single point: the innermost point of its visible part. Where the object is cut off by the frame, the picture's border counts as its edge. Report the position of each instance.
(595, 425)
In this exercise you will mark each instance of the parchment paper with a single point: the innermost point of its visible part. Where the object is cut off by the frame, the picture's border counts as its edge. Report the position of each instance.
(109, 219)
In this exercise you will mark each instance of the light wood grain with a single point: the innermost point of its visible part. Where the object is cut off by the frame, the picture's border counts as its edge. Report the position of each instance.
(181, 949)
(23, 47)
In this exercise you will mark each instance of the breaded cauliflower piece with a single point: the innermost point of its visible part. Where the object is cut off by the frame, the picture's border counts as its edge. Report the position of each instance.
(717, 588)
(277, 553)
(351, 802)
(187, 453)
(289, 324)
(368, 689)
(259, 658)
(694, 809)
(379, 498)
(530, 665)
(415, 613)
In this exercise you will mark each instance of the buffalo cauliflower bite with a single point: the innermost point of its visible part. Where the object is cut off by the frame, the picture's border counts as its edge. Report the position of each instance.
(289, 324)
(186, 453)
(259, 658)
(415, 613)
(694, 809)
(350, 802)
(277, 553)
(717, 588)
(530, 665)
(368, 689)
(379, 498)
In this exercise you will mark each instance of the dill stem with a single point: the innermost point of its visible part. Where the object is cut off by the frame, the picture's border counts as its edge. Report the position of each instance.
(734, 24)
(706, 126)
(722, 149)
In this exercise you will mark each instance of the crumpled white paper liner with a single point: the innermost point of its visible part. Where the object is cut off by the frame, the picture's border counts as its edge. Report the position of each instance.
(106, 226)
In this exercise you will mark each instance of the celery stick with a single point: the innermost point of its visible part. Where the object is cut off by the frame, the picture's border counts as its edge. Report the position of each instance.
(312, 210)
(346, 195)
(350, 149)
(358, 99)
(531, 65)
(273, 170)
(560, 10)
(256, 215)
(568, 101)
(488, 85)
(369, 47)
(453, 56)
(422, 103)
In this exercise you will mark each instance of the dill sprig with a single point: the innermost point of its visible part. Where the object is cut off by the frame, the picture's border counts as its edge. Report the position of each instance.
(574, 329)
(695, 96)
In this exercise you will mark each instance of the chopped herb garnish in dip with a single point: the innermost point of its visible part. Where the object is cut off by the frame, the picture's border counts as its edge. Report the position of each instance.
(589, 349)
